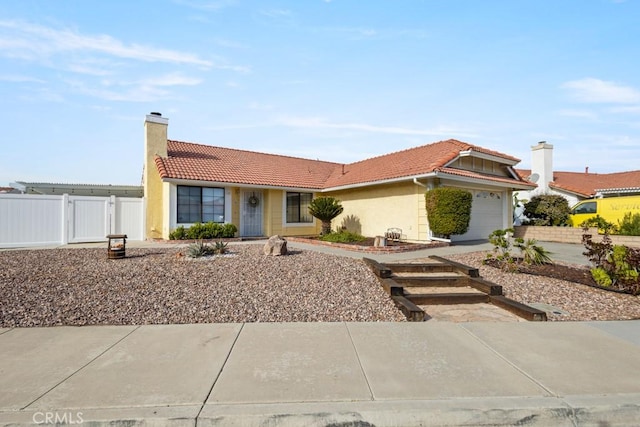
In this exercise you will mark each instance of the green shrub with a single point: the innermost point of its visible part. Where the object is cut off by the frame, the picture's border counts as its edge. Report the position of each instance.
(342, 236)
(448, 210)
(531, 252)
(629, 225)
(620, 264)
(503, 243)
(601, 277)
(207, 231)
(547, 209)
(603, 226)
(178, 234)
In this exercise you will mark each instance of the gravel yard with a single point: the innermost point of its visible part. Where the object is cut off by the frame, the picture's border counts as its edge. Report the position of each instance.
(157, 286)
(577, 301)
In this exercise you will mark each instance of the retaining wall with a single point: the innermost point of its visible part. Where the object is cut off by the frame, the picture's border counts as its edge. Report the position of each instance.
(569, 235)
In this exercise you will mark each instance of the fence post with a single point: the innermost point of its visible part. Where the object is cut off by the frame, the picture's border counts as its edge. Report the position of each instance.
(64, 239)
(113, 207)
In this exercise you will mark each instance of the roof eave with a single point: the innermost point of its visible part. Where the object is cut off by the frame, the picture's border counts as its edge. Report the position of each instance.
(179, 181)
(487, 156)
(380, 182)
(513, 185)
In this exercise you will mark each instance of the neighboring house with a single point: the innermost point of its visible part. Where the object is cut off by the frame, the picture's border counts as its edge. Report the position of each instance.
(8, 190)
(97, 190)
(267, 194)
(574, 186)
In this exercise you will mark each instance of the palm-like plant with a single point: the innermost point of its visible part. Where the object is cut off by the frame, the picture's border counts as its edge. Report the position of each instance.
(325, 209)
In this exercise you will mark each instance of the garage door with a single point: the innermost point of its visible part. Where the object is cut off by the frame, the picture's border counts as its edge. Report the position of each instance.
(486, 215)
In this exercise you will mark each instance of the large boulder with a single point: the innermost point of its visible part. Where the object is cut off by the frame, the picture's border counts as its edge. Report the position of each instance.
(276, 245)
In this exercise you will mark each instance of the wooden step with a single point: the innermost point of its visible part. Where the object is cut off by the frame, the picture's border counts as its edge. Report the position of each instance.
(412, 312)
(430, 281)
(448, 298)
(428, 267)
(464, 269)
(489, 288)
(519, 309)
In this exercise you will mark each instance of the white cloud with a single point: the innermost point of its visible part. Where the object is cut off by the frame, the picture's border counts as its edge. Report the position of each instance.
(601, 91)
(144, 90)
(19, 79)
(320, 123)
(277, 13)
(31, 41)
(635, 109)
(579, 114)
(207, 6)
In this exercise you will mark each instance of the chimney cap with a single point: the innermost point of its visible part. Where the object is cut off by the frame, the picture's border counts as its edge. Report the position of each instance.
(155, 113)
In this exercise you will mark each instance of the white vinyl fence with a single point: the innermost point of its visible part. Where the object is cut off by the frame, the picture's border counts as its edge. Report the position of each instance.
(35, 220)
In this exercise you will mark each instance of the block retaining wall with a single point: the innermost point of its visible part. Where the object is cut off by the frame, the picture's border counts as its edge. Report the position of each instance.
(569, 235)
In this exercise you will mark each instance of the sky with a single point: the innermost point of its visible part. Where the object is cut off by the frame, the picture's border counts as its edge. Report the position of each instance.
(334, 80)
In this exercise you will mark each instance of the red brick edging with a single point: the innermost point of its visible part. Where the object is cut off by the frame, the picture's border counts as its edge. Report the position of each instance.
(370, 249)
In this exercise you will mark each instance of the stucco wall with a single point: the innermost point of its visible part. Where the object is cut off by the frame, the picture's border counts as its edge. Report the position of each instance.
(274, 220)
(569, 235)
(371, 211)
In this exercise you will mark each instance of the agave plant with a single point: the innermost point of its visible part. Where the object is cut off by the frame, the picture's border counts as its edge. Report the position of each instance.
(220, 247)
(325, 209)
(198, 249)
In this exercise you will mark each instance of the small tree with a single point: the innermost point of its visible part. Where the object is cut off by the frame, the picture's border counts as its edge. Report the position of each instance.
(448, 210)
(547, 209)
(325, 209)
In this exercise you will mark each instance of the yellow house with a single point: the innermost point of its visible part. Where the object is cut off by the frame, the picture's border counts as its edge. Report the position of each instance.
(266, 194)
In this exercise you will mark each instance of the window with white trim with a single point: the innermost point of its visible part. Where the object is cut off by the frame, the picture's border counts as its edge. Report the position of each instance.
(298, 207)
(200, 204)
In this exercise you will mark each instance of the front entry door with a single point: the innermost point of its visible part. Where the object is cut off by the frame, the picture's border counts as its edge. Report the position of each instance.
(251, 213)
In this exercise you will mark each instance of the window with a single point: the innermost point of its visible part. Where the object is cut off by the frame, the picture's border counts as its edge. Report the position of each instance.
(200, 204)
(298, 208)
(586, 208)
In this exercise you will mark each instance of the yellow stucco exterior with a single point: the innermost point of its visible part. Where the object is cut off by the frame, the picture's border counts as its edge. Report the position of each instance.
(370, 211)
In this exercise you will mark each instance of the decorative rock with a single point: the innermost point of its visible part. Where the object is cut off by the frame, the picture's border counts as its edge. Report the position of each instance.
(276, 245)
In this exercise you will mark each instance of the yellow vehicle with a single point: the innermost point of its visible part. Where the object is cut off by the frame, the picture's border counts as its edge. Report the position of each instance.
(611, 209)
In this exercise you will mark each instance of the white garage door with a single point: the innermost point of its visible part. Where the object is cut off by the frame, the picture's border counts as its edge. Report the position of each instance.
(486, 215)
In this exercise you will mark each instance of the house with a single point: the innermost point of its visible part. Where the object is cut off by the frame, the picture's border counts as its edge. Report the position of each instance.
(266, 194)
(8, 190)
(574, 186)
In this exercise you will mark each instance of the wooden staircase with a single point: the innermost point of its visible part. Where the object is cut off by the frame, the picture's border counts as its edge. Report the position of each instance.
(440, 281)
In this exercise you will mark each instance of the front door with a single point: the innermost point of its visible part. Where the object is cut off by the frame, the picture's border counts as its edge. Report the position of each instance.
(251, 213)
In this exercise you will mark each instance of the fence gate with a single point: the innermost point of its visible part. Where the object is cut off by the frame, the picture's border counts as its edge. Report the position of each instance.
(89, 218)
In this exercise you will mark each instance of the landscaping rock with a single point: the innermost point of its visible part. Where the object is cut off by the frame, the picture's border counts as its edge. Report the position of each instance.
(276, 245)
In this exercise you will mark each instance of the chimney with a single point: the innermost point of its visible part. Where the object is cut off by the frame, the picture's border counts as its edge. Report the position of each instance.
(155, 144)
(586, 170)
(156, 135)
(542, 165)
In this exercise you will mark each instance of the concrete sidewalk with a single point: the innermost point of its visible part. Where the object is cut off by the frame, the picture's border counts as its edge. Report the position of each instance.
(294, 374)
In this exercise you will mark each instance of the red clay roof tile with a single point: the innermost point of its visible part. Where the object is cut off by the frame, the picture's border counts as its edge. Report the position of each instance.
(198, 162)
(587, 184)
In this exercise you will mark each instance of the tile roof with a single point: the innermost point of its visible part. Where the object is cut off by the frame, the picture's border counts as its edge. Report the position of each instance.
(227, 165)
(198, 162)
(588, 184)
